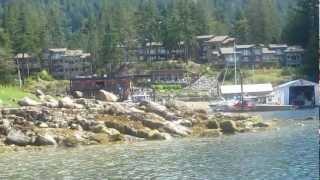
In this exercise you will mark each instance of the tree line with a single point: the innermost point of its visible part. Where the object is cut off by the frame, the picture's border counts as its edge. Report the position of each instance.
(101, 26)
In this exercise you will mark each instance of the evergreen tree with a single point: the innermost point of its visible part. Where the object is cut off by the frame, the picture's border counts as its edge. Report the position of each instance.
(302, 29)
(6, 63)
(263, 21)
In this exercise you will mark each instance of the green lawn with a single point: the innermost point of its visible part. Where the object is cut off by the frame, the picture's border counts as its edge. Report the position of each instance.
(273, 76)
(10, 95)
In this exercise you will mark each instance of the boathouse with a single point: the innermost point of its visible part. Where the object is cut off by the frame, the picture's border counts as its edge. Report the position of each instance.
(91, 85)
(300, 92)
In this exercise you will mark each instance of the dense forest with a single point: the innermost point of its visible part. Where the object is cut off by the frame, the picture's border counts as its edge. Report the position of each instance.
(100, 26)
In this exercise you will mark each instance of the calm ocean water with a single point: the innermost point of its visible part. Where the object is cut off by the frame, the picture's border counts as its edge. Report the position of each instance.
(288, 152)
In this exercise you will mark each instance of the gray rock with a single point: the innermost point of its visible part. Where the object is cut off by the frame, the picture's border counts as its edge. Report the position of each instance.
(28, 102)
(68, 103)
(103, 95)
(39, 93)
(159, 109)
(50, 102)
(213, 124)
(228, 127)
(77, 94)
(45, 140)
(261, 125)
(175, 128)
(43, 125)
(185, 122)
(70, 142)
(16, 137)
(156, 135)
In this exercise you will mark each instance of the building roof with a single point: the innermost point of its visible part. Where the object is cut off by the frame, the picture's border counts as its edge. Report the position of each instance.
(228, 40)
(74, 52)
(58, 50)
(22, 55)
(247, 88)
(218, 39)
(245, 46)
(154, 44)
(298, 82)
(278, 46)
(229, 50)
(268, 51)
(205, 37)
(168, 70)
(294, 49)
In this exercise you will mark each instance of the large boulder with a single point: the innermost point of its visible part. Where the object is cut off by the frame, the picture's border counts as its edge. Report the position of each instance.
(213, 124)
(45, 140)
(228, 127)
(156, 135)
(176, 128)
(17, 137)
(159, 109)
(50, 102)
(28, 102)
(77, 94)
(68, 103)
(103, 95)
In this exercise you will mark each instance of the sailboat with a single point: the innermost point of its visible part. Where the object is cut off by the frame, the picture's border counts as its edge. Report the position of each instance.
(242, 102)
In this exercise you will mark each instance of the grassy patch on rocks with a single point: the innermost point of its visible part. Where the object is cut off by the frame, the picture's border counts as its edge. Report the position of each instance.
(10, 95)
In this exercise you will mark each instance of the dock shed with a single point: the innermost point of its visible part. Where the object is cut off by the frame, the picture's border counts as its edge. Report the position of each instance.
(300, 92)
(258, 90)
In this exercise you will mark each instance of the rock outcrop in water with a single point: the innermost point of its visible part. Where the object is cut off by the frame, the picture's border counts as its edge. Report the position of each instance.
(71, 122)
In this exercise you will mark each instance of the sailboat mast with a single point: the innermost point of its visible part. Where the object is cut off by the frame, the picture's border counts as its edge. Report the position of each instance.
(235, 62)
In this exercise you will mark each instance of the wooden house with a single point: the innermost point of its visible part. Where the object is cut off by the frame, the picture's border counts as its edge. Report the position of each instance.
(91, 85)
(27, 64)
(66, 64)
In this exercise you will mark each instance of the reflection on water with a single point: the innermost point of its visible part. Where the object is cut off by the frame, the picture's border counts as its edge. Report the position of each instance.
(289, 152)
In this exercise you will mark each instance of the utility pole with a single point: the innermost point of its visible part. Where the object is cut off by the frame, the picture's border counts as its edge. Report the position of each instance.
(235, 62)
(19, 74)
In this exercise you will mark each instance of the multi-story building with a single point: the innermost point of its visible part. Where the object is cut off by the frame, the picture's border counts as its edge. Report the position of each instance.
(66, 64)
(209, 47)
(294, 55)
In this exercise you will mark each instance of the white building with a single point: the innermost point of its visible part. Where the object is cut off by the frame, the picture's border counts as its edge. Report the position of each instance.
(261, 91)
(299, 92)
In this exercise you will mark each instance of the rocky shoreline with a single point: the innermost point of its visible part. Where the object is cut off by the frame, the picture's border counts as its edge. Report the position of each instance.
(71, 122)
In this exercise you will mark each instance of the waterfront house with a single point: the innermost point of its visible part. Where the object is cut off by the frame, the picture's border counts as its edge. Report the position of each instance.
(260, 91)
(270, 57)
(299, 93)
(293, 56)
(27, 64)
(226, 56)
(90, 85)
(209, 45)
(279, 49)
(66, 64)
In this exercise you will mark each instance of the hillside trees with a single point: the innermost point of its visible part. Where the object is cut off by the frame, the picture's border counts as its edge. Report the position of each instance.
(263, 21)
(302, 28)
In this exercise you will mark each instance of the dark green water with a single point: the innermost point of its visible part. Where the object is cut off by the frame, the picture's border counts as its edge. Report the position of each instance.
(289, 152)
